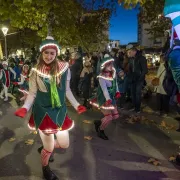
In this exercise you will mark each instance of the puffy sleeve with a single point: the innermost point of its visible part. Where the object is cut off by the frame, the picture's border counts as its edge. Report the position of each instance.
(32, 90)
(102, 83)
(14, 73)
(69, 93)
(117, 88)
(22, 80)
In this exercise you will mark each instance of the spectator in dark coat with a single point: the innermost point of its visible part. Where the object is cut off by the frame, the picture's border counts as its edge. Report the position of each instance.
(137, 71)
(76, 69)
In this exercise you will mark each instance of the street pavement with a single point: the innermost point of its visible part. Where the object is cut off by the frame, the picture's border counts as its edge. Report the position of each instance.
(123, 157)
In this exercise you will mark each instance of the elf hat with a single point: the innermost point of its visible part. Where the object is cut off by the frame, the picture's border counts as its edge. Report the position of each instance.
(105, 61)
(49, 43)
(21, 63)
(5, 63)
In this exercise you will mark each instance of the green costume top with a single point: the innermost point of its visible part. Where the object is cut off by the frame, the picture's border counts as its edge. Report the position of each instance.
(40, 88)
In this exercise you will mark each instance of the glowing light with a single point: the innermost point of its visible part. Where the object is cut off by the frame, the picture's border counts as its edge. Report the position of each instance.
(108, 61)
(51, 130)
(50, 44)
(111, 107)
(4, 30)
(40, 73)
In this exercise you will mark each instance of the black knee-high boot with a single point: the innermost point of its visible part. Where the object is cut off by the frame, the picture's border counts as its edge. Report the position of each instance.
(48, 174)
(100, 132)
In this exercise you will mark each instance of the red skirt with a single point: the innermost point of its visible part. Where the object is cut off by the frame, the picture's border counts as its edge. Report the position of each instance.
(49, 127)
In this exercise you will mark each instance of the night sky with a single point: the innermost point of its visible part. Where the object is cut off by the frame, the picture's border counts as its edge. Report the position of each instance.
(124, 25)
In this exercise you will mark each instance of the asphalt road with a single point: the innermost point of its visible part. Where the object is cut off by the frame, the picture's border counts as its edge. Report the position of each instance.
(124, 157)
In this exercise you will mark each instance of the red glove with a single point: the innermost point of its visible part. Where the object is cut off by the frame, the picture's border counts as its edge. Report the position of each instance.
(178, 98)
(117, 95)
(108, 102)
(81, 109)
(21, 112)
(15, 83)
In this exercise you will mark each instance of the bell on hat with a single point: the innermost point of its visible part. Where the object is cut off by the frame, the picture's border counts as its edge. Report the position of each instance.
(172, 11)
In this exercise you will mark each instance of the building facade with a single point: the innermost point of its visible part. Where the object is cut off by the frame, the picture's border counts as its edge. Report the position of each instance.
(147, 40)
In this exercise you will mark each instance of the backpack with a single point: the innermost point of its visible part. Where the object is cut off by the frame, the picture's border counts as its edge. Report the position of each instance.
(169, 83)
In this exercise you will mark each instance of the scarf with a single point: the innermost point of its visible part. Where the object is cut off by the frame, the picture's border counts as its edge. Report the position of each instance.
(56, 103)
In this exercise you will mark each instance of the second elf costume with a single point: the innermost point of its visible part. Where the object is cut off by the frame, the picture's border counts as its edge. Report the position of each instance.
(47, 96)
(106, 96)
(5, 76)
(24, 79)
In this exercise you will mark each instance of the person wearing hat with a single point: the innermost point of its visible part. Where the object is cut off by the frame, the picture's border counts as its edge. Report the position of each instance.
(76, 69)
(137, 71)
(5, 76)
(106, 96)
(48, 87)
(86, 82)
(24, 81)
(24, 78)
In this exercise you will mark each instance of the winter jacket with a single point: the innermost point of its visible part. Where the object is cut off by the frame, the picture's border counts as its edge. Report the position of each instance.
(137, 68)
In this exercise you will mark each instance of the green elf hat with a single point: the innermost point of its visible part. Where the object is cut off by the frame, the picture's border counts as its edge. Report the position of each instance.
(49, 43)
(107, 59)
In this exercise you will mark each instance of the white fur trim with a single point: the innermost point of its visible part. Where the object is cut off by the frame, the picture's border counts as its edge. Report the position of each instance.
(50, 37)
(5, 62)
(106, 55)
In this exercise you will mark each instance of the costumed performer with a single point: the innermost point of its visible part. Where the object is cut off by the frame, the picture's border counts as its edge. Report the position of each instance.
(48, 87)
(5, 75)
(106, 96)
(24, 80)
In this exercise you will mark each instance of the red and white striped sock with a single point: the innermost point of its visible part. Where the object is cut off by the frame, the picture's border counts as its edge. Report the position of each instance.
(105, 121)
(116, 116)
(56, 144)
(45, 155)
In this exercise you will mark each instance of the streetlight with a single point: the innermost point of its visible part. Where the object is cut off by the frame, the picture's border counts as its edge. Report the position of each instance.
(5, 30)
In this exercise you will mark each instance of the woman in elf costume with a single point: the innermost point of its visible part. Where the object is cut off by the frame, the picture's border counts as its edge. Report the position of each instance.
(48, 87)
(107, 94)
(5, 74)
(24, 86)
